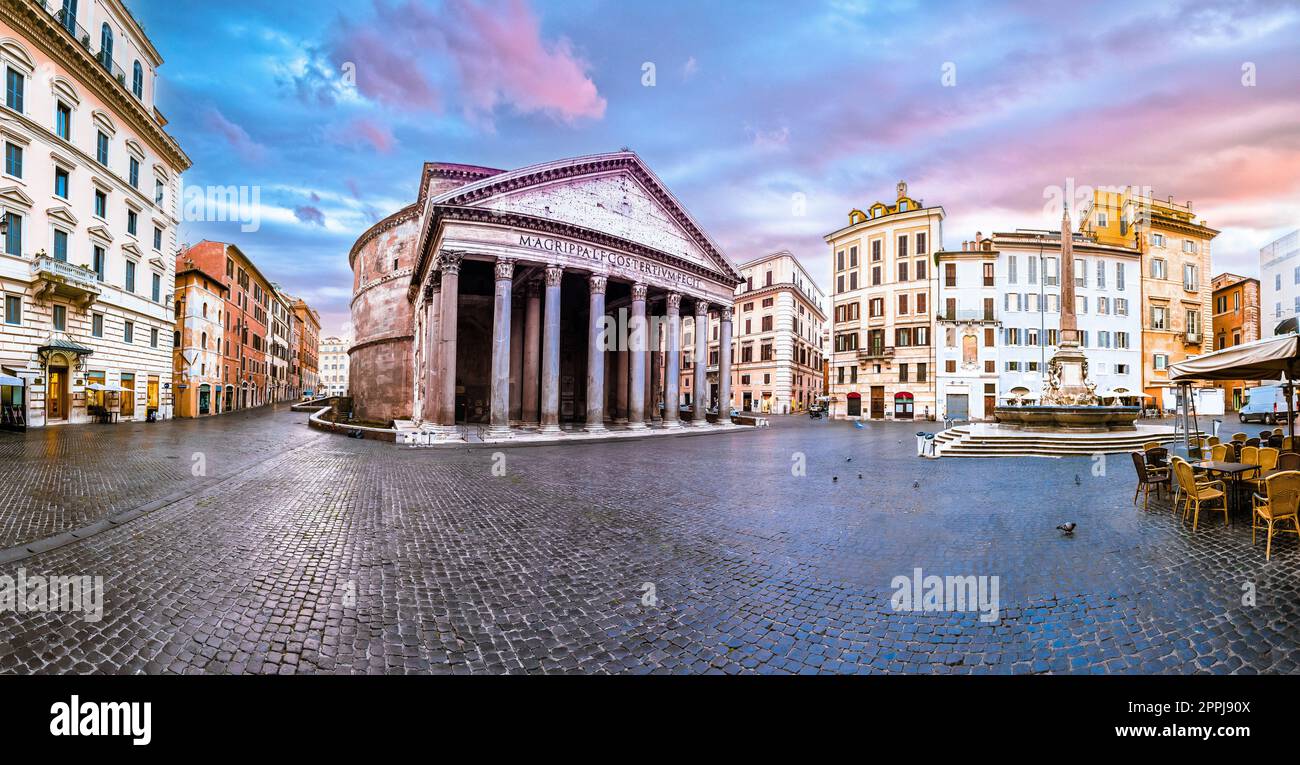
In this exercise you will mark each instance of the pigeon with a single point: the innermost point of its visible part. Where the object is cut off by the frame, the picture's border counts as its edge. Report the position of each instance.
(859, 476)
(848, 459)
(1077, 482)
(1067, 528)
(834, 478)
(916, 484)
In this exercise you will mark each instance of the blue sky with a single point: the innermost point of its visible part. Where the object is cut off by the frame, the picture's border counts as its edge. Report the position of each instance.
(752, 104)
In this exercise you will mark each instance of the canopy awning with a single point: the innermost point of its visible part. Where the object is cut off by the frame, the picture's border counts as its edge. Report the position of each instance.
(11, 380)
(1265, 359)
(103, 387)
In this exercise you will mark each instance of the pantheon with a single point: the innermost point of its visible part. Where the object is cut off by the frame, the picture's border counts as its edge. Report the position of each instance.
(486, 305)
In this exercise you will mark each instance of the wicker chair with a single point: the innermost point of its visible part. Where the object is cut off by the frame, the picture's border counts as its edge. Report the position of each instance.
(1288, 461)
(1267, 460)
(1278, 503)
(1196, 494)
(1213, 440)
(1249, 456)
(1239, 437)
(1148, 477)
(1219, 452)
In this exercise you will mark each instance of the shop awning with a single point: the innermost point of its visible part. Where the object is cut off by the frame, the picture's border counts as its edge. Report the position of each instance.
(1265, 359)
(102, 387)
(11, 380)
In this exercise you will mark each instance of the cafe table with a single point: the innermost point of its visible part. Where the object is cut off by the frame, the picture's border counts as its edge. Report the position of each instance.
(1233, 471)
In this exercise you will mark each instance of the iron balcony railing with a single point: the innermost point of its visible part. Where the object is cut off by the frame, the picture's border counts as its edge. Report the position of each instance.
(69, 22)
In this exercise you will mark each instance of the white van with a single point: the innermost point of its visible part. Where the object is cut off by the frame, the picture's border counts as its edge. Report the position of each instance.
(1266, 404)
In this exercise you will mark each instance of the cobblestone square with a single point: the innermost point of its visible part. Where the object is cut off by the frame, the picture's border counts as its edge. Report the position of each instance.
(304, 552)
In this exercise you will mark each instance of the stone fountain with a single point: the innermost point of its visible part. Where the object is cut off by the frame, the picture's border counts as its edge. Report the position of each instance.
(1069, 400)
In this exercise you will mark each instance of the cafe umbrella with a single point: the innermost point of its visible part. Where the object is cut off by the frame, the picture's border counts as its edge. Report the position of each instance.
(1273, 358)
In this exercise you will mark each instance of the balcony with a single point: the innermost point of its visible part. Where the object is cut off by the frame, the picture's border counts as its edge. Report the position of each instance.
(83, 38)
(1192, 338)
(876, 352)
(57, 277)
(967, 315)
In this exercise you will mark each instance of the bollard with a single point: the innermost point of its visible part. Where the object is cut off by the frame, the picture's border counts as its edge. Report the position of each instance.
(929, 444)
(920, 443)
(1217, 423)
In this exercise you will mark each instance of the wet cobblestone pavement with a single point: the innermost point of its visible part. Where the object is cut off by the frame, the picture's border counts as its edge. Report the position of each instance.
(307, 552)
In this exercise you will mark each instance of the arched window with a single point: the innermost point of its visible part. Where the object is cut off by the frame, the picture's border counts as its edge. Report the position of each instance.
(106, 47)
(205, 341)
(137, 80)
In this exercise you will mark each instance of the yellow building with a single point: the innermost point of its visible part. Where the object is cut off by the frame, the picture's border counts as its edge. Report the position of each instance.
(1176, 285)
(882, 278)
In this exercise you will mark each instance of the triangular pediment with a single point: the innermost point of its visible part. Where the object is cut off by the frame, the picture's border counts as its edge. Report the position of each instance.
(614, 194)
(12, 196)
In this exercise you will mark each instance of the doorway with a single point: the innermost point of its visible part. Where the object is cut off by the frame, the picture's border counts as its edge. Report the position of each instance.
(205, 399)
(56, 397)
(958, 406)
(877, 402)
(854, 405)
(128, 396)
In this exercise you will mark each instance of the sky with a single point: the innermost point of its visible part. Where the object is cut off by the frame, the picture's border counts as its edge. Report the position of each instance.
(769, 121)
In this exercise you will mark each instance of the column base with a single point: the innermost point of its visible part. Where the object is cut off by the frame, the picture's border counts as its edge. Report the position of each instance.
(672, 424)
(636, 426)
(620, 420)
(499, 431)
(596, 428)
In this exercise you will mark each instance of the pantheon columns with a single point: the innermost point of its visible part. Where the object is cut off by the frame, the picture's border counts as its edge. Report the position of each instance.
(596, 356)
(672, 361)
(499, 413)
(639, 342)
(449, 263)
(551, 352)
(701, 355)
(724, 366)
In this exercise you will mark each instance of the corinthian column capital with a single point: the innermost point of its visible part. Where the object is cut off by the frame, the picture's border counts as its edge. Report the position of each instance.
(725, 313)
(674, 302)
(638, 292)
(598, 283)
(449, 261)
(505, 269)
(701, 308)
(554, 274)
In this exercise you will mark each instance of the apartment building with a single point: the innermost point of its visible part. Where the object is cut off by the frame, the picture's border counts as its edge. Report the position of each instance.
(1176, 292)
(778, 321)
(1236, 321)
(280, 338)
(198, 340)
(334, 366)
(1279, 276)
(967, 329)
(307, 320)
(882, 359)
(1028, 275)
(88, 210)
(245, 369)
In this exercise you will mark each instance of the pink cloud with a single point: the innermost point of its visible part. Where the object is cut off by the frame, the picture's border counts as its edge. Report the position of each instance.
(310, 215)
(496, 56)
(236, 136)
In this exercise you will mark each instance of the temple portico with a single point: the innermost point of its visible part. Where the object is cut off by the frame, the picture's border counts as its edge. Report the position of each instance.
(548, 303)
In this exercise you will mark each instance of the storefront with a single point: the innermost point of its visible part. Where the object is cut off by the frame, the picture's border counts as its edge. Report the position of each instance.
(13, 403)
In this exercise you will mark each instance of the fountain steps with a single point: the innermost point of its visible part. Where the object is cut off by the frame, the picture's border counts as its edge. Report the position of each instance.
(965, 441)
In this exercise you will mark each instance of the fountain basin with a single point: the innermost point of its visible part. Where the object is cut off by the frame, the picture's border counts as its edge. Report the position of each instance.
(1094, 419)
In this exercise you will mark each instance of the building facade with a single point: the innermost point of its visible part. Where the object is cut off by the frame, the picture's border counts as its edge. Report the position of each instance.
(491, 300)
(779, 317)
(1028, 278)
(1279, 276)
(89, 204)
(334, 367)
(1176, 292)
(244, 368)
(197, 340)
(307, 322)
(279, 343)
(1236, 321)
(967, 330)
(882, 359)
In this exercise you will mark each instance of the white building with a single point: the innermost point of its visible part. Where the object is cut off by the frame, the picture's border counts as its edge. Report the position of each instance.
(1279, 282)
(89, 195)
(1108, 302)
(334, 366)
(966, 331)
